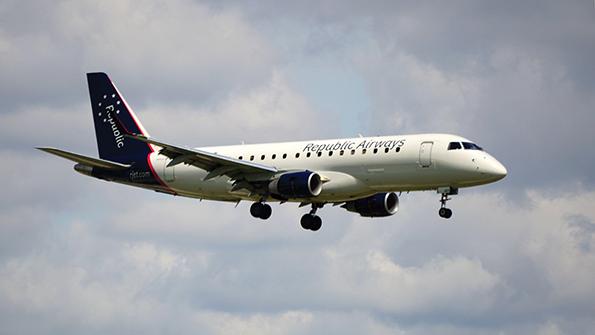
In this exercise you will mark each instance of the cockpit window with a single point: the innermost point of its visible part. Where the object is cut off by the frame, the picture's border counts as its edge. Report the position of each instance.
(471, 146)
(454, 146)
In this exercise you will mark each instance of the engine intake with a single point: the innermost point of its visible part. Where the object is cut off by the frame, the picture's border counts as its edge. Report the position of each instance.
(378, 205)
(304, 184)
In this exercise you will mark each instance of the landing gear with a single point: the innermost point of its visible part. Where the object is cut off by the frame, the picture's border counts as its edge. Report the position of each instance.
(261, 210)
(311, 221)
(444, 212)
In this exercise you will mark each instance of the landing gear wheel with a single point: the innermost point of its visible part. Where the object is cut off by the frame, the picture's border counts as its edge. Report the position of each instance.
(316, 223)
(306, 221)
(256, 209)
(311, 222)
(266, 211)
(260, 210)
(445, 213)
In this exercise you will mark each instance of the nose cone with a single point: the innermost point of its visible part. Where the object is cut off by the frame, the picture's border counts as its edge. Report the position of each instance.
(494, 170)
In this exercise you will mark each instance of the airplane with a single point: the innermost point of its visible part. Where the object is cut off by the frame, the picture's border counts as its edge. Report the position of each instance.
(362, 175)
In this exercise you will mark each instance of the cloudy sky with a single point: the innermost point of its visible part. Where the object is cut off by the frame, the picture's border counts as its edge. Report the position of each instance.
(79, 255)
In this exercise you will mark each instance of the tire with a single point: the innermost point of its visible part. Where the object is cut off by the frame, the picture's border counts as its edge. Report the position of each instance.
(442, 212)
(316, 223)
(306, 221)
(448, 213)
(256, 209)
(265, 211)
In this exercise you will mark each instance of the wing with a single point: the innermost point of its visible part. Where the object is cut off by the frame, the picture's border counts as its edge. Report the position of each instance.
(90, 161)
(240, 171)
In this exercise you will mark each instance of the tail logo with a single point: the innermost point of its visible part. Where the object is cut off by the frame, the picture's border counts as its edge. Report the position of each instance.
(107, 118)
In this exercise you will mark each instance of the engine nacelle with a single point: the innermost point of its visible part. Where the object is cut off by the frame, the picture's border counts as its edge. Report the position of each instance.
(378, 205)
(304, 184)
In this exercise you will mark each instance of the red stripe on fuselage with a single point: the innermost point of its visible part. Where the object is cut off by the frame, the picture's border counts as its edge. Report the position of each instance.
(156, 176)
(143, 131)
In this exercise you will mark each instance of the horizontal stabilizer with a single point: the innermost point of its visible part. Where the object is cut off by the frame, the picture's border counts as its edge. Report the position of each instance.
(90, 161)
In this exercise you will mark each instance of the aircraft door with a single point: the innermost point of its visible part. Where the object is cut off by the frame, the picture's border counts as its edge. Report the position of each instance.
(425, 154)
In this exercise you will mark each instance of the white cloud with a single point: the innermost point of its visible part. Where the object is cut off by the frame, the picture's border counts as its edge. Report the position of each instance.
(410, 94)
(175, 259)
(271, 112)
(291, 322)
(376, 282)
(165, 50)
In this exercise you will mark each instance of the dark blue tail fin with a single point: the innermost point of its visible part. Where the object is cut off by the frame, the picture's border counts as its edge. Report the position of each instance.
(113, 118)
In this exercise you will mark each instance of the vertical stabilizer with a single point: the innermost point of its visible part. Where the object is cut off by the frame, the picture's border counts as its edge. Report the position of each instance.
(110, 114)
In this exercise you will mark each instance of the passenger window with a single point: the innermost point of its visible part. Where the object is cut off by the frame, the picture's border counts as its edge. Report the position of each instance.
(454, 146)
(319, 153)
(386, 150)
(398, 149)
(240, 158)
(274, 156)
(330, 153)
(308, 154)
(364, 151)
(341, 152)
(262, 157)
(353, 152)
(284, 156)
(297, 155)
(375, 151)
(252, 157)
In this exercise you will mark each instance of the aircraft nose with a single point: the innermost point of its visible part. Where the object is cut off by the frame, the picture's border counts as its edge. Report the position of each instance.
(495, 170)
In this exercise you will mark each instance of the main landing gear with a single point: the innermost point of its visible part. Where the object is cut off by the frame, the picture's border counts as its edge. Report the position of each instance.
(311, 221)
(444, 212)
(261, 210)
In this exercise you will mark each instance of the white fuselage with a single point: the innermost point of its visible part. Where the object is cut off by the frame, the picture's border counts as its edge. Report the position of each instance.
(351, 168)
(360, 174)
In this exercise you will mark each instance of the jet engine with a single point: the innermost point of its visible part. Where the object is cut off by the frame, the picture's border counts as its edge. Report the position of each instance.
(304, 184)
(378, 205)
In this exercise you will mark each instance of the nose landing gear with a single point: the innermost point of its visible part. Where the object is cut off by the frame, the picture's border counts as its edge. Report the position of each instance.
(444, 212)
